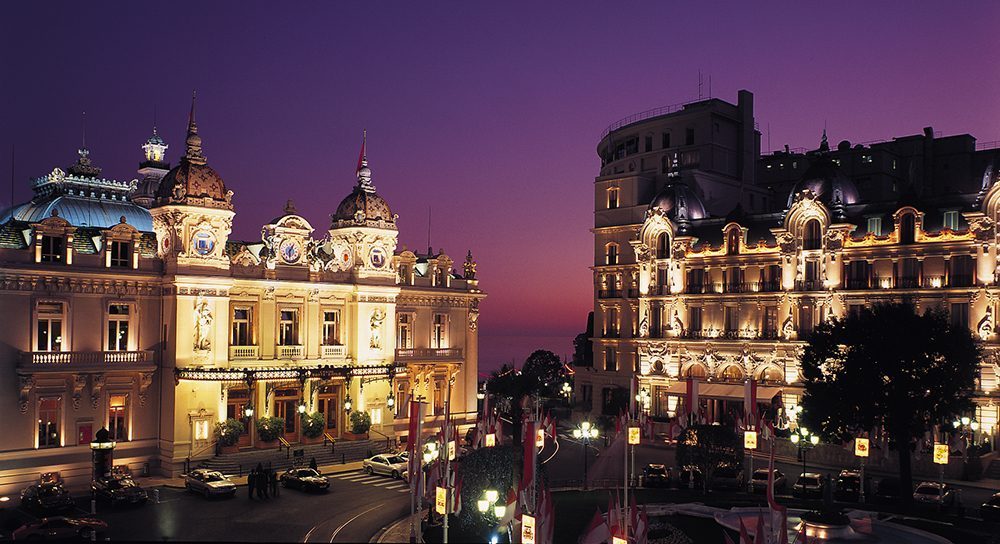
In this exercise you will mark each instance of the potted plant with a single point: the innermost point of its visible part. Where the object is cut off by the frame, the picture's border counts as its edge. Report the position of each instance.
(227, 434)
(361, 422)
(268, 431)
(313, 426)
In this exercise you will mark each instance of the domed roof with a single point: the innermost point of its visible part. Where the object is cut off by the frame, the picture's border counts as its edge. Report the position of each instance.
(676, 198)
(193, 182)
(364, 206)
(827, 182)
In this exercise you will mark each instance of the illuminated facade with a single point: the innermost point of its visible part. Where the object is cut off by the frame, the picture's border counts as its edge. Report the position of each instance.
(155, 325)
(680, 292)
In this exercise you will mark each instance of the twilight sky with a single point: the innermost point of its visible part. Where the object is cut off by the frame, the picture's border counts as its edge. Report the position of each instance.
(486, 112)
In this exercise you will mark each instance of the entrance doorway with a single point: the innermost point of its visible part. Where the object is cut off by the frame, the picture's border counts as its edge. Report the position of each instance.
(286, 403)
(236, 403)
(329, 405)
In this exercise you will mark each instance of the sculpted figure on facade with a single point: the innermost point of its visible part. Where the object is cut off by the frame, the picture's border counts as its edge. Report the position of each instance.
(202, 325)
(375, 340)
(985, 326)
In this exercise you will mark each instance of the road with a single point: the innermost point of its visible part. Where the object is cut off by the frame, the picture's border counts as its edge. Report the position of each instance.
(355, 508)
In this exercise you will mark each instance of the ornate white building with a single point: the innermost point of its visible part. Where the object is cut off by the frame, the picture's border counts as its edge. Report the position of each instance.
(153, 324)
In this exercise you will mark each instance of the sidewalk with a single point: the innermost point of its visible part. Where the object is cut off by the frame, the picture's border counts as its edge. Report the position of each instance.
(985, 483)
(398, 531)
(178, 482)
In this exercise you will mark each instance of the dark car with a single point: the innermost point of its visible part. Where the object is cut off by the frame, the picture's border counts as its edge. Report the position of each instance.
(759, 480)
(990, 510)
(655, 475)
(809, 484)
(119, 490)
(690, 477)
(889, 490)
(934, 493)
(60, 528)
(46, 498)
(848, 486)
(305, 479)
(728, 477)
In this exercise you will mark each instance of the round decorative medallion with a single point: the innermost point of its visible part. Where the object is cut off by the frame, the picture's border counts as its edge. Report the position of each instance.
(290, 251)
(203, 242)
(344, 257)
(377, 257)
(165, 244)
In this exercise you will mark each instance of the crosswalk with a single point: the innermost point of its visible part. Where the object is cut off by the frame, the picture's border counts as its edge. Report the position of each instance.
(374, 480)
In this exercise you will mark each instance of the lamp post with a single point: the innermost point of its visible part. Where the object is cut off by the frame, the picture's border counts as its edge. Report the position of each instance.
(493, 512)
(804, 440)
(584, 433)
(102, 457)
(431, 454)
(347, 404)
(967, 426)
(567, 391)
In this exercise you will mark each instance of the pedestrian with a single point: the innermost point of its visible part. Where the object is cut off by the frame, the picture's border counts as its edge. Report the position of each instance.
(274, 484)
(260, 482)
(312, 464)
(251, 480)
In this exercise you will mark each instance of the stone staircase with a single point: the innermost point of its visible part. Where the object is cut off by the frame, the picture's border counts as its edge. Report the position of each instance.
(993, 470)
(344, 452)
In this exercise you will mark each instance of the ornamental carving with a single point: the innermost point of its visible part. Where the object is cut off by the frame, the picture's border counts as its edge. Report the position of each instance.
(25, 385)
(203, 320)
(982, 228)
(79, 383)
(377, 318)
(786, 241)
(96, 386)
(474, 314)
(834, 240)
(788, 327)
(145, 380)
(985, 326)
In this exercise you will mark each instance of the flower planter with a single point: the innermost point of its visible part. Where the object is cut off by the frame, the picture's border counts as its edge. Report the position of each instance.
(266, 444)
(352, 436)
(223, 450)
(308, 440)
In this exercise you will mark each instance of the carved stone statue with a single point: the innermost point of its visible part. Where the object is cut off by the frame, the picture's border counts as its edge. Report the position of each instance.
(202, 325)
(644, 327)
(986, 324)
(378, 316)
(474, 315)
(788, 328)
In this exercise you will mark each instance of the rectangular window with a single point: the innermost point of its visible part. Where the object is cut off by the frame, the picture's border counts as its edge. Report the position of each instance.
(242, 326)
(50, 326)
(951, 220)
(648, 144)
(613, 201)
(854, 310)
(805, 320)
(610, 360)
(666, 140)
(288, 328)
(120, 254)
(118, 416)
(331, 328)
(732, 320)
(769, 327)
(960, 315)
(961, 271)
(404, 331)
(632, 146)
(118, 319)
(48, 422)
(694, 320)
(53, 249)
(875, 225)
(439, 334)
(611, 323)
(689, 136)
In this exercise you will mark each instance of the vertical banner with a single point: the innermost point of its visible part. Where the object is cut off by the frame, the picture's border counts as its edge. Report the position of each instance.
(527, 529)
(861, 447)
(634, 434)
(750, 440)
(941, 454)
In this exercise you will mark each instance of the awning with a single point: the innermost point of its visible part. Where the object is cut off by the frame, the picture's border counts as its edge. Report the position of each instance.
(723, 391)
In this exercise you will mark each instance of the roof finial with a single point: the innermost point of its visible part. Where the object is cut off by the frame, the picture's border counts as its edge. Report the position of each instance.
(193, 141)
(363, 172)
(84, 145)
(824, 145)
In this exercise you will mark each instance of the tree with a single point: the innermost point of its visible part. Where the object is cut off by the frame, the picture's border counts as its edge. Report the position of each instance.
(540, 376)
(888, 367)
(709, 447)
(544, 373)
(481, 469)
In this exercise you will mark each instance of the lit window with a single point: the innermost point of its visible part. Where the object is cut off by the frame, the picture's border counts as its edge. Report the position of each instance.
(867, 159)
(242, 326)
(612, 198)
(610, 359)
(118, 416)
(875, 225)
(331, 328)
(611, 257)
(404, 331)
(53, 249)
(48, 422)
(951, 220)
(611, 323)
(50, 326)
(439, 338)
(118, 319)
(811, 236)
(288, 328)
(120, 253)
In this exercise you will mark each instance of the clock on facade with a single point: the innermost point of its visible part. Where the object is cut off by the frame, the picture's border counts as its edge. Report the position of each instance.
(377, 257)
(290, 251)
(203, 242)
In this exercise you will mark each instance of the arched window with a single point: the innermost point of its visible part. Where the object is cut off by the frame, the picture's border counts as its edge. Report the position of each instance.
(771, 374)
(907, 229)
(733, 243)
(811, 235)
(695, 371)
(663, 246)
(611, 254)
(732, 372)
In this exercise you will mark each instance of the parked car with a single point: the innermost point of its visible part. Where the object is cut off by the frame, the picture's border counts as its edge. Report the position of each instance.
(209, 483)
(990, 510)
(388, 464)
(729, 477)
(934, 493)
(46, 498)
(685, 475)
(305, 479)
(119, 490)
(809, 484)
(654, 475)
(60, 528)
(848, 486)
(759, 480)
(889, 490)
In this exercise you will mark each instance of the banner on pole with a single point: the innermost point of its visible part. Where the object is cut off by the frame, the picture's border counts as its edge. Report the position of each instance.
(527, 529)
(861, 447)
(451, 450)
(491, 440)
(540, 438)
(634, 434)
(941, 454)
(750, 440)
(441, 500)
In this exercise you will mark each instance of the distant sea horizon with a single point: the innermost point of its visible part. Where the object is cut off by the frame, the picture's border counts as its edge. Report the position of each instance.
(495, 350)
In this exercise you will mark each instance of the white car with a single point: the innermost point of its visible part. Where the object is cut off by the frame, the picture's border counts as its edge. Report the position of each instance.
(934, 493)
(209, 483)
(387, 464)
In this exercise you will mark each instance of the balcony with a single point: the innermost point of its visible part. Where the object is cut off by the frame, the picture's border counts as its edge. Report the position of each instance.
(858, 283)
(633, 293)
(695, 289)
(808, 285)
(960, 280)
(289, 352)
(416, 354)
(244, 352)
(55, 361)
(333, 352)
(609, 293)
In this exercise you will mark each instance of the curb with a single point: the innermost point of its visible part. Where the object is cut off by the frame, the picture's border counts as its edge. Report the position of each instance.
(380, 536)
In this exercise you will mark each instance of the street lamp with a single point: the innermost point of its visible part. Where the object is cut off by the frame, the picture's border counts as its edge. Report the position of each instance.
(804, 440)
(347, 403)
(584, 433)
(431, 453)
(390, 401)
(643, 398)
(248, 411)
(487, 505)
(567, 390)
(302, 407)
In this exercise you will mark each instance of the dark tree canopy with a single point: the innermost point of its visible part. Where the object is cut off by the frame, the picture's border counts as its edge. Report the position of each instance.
(480, 469)
(709, 447)
(541, 376)
(888, 367)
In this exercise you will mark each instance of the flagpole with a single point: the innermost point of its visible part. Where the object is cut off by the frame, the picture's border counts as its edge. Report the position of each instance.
(447, 456)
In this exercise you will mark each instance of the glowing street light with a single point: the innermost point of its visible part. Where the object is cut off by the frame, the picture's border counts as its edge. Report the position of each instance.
(804, 440)
(585, 433)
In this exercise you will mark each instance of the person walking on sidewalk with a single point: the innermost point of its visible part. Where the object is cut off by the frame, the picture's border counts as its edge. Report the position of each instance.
(312, 464)
(251, 480)
(261, 482)
(274, 483)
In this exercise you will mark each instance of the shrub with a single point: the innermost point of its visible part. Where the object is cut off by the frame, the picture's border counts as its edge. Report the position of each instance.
(270, 428)
(228, 432)
(313, 424)
(361, 422)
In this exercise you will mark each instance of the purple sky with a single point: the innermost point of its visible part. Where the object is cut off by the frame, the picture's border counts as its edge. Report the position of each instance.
(487, 112)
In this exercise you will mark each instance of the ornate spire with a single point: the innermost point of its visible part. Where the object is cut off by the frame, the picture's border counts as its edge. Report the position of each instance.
(155, 148)
(469, 267)
(364, 173)
(824, 145)
(193, 141)
(83, 166)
